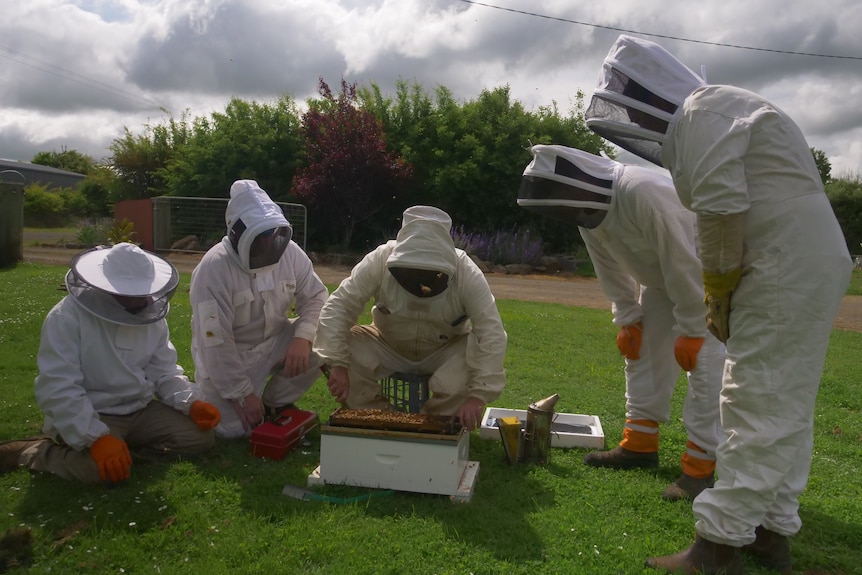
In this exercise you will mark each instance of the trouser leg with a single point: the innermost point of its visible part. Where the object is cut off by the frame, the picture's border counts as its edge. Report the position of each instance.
(156, 430)
(62, 461)
(371, 359)
(449, 378)
(282, 390)
(701, 410)
(767, 400)
(650, 380)
(161, 431)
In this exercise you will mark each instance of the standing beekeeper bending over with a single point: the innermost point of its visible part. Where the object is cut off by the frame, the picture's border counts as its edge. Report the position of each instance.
(775, 267)
(433, 314)
(109, 384)
(641, 242)
(251, 357)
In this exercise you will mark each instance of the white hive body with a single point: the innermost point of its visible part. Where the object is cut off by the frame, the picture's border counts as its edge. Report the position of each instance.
(427, 459)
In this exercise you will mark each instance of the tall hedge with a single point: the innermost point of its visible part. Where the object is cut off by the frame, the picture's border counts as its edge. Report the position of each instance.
(845, 195)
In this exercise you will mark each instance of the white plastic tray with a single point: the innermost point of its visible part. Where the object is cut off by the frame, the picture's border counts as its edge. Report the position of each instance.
(582, 430)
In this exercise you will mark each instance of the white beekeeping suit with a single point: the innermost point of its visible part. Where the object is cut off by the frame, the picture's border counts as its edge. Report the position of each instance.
(446, 325)
(775, 268)
(641, 241)
(109, 385)
(243, 294)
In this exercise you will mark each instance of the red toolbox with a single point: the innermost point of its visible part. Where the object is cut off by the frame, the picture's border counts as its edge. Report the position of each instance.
(274, 438)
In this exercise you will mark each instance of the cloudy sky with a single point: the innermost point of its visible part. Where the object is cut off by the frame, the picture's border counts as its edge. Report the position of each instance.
(75, 73)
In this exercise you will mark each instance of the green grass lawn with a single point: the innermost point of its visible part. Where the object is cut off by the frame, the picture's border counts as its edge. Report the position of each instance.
(855, 283)
(225, 513)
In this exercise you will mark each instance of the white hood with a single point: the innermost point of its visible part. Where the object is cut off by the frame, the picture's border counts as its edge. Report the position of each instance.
(424, 241)
(251, 204)
(659, 73)
(569, 185)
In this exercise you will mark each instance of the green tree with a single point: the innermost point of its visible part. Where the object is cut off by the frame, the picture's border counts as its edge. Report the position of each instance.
(250, 140)
(468, 158)
(845, 195)
(350, 178)
(99, 189)
(140, 161)
(70, 160)
(43, 207)
(824, 166)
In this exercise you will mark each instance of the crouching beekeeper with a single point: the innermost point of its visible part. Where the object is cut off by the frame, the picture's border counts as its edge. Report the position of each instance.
(433, 314)
(109, 385)
(255, 300)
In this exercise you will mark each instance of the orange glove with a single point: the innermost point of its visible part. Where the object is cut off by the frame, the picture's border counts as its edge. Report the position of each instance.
(112, 457)
(685, 349)
(629, 340)
(205, 415)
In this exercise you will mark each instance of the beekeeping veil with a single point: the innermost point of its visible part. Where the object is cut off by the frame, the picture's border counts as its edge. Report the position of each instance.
(256, 226)
(423, 260)
(568, 185)
(640, 87)
(122, 284)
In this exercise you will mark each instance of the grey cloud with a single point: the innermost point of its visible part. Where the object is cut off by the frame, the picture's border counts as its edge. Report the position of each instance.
(15, 145)
(242, 53)
(62, 74)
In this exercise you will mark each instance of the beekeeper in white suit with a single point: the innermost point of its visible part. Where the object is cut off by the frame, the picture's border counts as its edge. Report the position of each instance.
(109, 385)
(252, 357)
(641, 241)
(775, 267)
(433, 314)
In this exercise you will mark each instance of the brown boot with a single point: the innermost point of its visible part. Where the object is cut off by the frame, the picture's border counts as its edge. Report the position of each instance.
(687, 487)
(621, 458)
(703, 558)
(770, 550)
(10, 452)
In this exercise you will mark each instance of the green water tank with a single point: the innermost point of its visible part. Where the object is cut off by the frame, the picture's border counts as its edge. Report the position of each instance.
(11, 218)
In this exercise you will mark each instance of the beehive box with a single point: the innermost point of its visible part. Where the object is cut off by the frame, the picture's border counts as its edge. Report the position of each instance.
(401, 460)
(567, 429)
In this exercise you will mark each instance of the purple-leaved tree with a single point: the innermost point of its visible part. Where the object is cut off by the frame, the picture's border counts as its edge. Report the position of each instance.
(350, 176)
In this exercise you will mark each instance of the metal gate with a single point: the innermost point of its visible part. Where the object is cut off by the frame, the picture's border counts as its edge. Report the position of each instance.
(196, 224)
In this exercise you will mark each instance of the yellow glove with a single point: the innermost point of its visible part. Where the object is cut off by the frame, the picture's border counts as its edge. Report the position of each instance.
(685, 349)
(718, 288)
(205, 415)
(629, 340)
(112, 457)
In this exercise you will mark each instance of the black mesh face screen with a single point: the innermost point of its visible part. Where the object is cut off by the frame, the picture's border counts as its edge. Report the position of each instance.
(235, 234)
(267, 247)
(421, 283)
(566, 168)
(554, 200)
(534, 188)
(581, 217)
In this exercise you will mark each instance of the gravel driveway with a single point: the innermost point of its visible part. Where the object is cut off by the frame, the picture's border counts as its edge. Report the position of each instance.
(568, 290)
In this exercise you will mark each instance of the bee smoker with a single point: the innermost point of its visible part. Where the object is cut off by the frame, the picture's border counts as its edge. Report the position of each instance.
(537, 435)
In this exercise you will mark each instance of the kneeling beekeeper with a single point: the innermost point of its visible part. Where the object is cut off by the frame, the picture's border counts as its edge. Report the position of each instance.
(109, 385)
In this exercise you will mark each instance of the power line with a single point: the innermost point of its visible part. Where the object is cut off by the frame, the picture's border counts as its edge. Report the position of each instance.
(568, 21)
(21, 58)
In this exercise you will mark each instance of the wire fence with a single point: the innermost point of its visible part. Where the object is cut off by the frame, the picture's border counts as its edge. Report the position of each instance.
(196, 224)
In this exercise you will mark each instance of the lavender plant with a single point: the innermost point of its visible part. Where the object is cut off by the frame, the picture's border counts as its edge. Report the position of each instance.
(501, 247)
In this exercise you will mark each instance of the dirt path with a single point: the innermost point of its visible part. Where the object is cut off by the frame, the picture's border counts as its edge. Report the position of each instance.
(574, 290)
